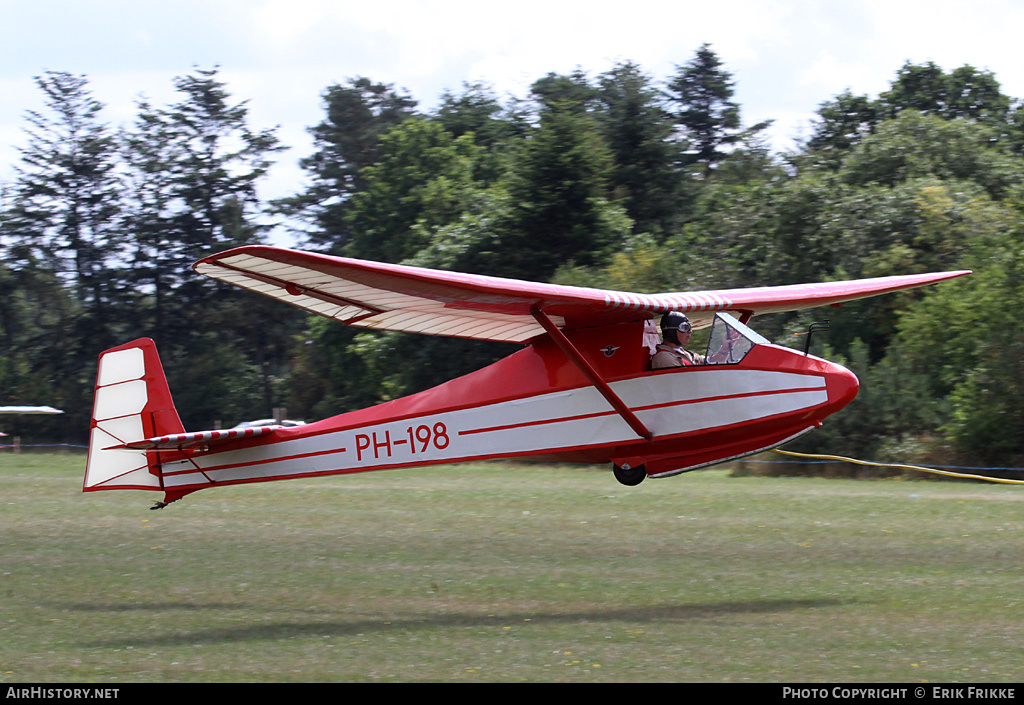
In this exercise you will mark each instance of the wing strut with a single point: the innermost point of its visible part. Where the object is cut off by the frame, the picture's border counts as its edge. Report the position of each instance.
(590, 373)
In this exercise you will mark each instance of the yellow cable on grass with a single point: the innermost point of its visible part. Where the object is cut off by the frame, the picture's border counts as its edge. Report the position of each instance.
(901, 466)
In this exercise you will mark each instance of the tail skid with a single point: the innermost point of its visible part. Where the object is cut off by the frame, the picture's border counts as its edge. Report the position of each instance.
(132, 402)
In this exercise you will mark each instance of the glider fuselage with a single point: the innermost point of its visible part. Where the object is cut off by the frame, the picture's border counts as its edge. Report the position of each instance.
(536, 403)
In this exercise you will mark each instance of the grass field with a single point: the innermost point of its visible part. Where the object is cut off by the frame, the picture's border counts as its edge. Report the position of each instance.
(510, 573)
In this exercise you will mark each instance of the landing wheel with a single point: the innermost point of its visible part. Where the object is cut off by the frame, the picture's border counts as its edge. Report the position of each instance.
(629, 476)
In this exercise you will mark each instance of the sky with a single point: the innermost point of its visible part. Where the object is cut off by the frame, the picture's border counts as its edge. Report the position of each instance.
(785, 56)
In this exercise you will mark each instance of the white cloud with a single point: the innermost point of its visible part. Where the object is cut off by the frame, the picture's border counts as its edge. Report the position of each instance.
(828, 76)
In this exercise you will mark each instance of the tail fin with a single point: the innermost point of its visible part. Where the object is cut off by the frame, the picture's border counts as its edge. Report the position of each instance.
(131, 402)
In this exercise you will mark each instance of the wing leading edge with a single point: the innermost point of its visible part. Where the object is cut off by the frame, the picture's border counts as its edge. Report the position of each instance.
(393, 297)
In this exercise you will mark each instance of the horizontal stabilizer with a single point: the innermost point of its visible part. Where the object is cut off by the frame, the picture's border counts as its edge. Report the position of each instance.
(197, 440)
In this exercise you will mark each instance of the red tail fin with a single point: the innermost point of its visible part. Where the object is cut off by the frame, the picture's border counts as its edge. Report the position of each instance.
(131, 402)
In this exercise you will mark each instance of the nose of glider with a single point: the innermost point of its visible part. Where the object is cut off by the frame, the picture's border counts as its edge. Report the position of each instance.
(842, 386)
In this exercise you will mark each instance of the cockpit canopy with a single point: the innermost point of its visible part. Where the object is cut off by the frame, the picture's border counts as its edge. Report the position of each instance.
(731, 340)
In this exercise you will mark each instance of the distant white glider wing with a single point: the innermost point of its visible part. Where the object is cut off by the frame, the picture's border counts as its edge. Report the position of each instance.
(29, 410)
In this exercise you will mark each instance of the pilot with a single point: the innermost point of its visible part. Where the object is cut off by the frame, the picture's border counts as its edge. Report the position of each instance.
(675, 333)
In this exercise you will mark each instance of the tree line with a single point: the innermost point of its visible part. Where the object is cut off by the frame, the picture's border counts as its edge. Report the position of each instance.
(618, 180)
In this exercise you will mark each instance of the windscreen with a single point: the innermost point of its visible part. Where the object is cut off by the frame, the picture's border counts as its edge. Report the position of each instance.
(730, 341)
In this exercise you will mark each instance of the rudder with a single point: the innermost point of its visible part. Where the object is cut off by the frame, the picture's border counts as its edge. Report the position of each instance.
(131, 402)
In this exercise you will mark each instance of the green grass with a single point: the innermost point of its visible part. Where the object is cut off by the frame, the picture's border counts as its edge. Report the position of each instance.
(509, 573)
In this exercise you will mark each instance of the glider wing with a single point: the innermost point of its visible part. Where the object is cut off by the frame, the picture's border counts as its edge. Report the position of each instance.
(29, 410)
(395, 297)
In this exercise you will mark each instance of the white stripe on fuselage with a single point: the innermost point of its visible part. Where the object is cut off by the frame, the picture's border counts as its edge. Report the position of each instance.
(668, 404)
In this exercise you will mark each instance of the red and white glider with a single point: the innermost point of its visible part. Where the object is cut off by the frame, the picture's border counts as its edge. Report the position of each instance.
(580, 390)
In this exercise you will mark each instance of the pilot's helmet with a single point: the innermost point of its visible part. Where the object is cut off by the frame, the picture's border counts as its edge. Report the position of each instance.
(675, 320)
